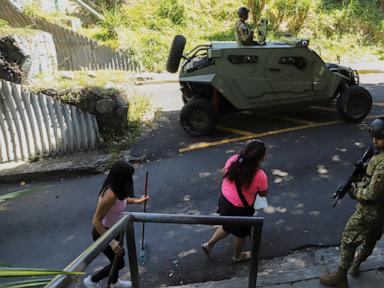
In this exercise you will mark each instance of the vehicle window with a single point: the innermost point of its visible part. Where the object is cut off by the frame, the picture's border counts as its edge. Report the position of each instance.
(317, 56)
(297, 61)
(242, 59)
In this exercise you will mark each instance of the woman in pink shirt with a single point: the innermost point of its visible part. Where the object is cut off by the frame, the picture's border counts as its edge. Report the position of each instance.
(243, 179)
(115, 194)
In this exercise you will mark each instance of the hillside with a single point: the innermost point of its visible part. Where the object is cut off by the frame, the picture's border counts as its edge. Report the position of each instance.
(338, 29)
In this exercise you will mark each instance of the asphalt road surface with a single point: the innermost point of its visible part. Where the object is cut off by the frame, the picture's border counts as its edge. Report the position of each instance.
(310, 153)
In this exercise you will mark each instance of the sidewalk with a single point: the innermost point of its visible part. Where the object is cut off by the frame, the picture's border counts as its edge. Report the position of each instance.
(302, 269)
(77, 164)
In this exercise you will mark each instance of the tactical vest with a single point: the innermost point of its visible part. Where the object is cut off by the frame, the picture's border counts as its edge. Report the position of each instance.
(377, 161)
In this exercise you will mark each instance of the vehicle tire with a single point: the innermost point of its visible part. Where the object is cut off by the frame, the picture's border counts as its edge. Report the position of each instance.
(198, 117)
(354, 103)
(175, 53)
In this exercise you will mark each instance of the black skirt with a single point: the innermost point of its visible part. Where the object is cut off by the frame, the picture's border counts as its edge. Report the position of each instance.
(226, 208)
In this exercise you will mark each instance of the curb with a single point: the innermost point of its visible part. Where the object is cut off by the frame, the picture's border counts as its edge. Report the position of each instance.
(57, 168)
(362, 72)
(149, 82)
(49, 175)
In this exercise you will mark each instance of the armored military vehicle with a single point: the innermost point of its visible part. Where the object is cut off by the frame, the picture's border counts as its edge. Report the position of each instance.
(224, 76)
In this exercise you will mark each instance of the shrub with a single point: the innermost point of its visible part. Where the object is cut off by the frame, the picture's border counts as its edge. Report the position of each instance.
(173, 10)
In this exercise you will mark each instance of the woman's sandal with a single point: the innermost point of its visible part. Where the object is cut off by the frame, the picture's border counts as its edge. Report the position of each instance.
(207, 250)
(244, 256)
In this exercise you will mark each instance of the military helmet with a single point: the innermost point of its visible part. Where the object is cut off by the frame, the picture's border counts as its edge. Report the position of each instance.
(243, 11)
(377, 128)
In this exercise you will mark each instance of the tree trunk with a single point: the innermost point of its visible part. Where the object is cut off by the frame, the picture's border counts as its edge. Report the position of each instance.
(381, 3)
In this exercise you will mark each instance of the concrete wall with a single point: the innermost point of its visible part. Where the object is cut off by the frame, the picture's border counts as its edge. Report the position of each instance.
(74, 51)
(33, 52)
(36, 125)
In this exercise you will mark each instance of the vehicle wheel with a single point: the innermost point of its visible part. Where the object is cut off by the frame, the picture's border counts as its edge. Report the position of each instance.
(198, 117)
(175, 53)
(354, 103)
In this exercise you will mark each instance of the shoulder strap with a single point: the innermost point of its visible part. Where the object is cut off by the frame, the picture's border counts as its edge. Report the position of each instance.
(241, 195)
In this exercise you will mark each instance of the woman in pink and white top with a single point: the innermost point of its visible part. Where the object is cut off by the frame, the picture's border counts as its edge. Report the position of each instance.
(243, 180)
(115, 194)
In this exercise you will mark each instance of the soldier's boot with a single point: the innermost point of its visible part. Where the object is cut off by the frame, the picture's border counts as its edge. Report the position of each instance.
(336, 279)
(355, 268)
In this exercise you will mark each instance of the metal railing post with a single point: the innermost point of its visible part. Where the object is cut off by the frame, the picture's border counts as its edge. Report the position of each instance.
(127, 223)
(256, 241)
(132, 256)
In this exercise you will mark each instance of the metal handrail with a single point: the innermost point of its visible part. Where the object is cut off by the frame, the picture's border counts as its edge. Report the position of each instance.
(127, 223)
(89, 254)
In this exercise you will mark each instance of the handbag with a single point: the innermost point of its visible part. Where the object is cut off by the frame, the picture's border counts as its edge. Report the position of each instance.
(260, 202)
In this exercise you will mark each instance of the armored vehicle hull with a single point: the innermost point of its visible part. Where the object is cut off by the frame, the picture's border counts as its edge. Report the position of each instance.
(224, 76)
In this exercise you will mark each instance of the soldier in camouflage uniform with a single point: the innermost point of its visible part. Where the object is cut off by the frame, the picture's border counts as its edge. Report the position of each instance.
(243, 32)
(365, 226)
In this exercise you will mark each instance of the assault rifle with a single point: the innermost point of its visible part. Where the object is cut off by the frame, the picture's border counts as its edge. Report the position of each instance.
(356, 176)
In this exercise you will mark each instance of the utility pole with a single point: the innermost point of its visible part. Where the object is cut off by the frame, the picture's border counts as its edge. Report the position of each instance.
(91, 10)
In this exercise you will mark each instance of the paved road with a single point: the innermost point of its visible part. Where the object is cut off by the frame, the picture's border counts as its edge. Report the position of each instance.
(50, 228)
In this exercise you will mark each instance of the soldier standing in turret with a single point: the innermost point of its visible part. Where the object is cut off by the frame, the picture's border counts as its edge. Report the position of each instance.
(243, 32)
(365, 226)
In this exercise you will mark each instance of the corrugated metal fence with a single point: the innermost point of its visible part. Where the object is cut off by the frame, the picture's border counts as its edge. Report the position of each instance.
(36, 125)
(74, 51)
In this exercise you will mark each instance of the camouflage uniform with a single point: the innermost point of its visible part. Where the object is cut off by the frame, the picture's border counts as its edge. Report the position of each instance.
(243, 33)
(365, 226)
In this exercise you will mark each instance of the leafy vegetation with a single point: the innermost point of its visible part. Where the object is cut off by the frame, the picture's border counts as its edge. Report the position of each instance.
(146, 27)
(12, 195)
(30, 272)
(139, 107)
(73, 88)
(3, 23)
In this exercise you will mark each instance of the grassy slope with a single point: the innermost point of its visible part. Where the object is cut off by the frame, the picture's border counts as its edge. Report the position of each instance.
(146, 27)
(335, 31)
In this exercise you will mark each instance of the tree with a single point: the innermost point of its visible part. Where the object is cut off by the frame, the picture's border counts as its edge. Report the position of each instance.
(381, 4)
(256, 7)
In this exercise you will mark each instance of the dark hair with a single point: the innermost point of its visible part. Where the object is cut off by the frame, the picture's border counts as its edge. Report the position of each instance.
(246, 165)
(120, 180)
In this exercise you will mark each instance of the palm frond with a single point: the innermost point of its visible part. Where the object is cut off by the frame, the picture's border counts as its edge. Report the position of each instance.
(18, 193)
(26, 283)
(22, 272)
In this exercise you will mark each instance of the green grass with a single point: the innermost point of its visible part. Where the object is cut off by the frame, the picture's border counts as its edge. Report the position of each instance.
(7, 30)
(3, 23)
(33, 11)
(81, 79)
(139, 107)
(71, 87)
(146, 28)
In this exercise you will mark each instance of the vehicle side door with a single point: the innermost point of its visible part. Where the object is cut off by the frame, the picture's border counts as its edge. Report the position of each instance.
(246, 86)
(289, 72)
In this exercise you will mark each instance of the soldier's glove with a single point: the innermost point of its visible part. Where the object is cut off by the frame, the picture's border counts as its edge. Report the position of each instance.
(352, 190)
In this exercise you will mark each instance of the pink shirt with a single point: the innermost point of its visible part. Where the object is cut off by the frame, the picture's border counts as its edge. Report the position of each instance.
(259, 183)
(114, 214)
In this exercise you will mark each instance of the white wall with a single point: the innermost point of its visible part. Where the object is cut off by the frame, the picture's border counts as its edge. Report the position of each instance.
(45, 5)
